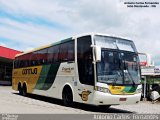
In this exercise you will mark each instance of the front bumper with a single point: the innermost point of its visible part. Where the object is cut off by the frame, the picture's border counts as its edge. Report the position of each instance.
(101, 98)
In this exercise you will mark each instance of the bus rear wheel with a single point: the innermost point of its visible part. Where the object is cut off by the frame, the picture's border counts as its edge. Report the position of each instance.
(67, 96)
(24, 90)
(20, 89)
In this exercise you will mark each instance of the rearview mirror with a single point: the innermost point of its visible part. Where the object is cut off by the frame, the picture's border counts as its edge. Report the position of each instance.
(98, 53)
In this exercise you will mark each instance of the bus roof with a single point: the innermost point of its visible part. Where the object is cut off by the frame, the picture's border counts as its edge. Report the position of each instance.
(101, 34)
(68, 39)
(45, 46)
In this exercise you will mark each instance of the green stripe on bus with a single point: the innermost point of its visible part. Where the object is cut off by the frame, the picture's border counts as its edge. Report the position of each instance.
(43, 76)
(50, 78)
(130, 89)
(133, 89)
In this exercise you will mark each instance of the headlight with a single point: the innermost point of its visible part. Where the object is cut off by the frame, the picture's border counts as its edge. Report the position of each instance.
(139, 90)
(102, 89)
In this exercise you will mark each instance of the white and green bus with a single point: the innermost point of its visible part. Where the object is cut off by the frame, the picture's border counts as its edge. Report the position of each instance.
(91, 68)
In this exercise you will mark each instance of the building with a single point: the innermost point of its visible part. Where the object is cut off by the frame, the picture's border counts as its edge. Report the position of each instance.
(7, 56)
(150, 75)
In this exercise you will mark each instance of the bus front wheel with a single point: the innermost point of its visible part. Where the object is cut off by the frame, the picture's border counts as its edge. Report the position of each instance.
(67, 96)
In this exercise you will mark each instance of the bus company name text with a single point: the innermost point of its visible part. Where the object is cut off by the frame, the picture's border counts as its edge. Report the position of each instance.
(29, 71)
(68, 70)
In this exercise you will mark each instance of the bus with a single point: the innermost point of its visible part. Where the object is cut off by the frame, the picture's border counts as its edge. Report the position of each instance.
(92, 68)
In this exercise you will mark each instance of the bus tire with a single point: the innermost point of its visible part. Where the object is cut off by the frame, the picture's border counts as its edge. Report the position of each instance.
(19, 88)
(67, 96)
(24, 90)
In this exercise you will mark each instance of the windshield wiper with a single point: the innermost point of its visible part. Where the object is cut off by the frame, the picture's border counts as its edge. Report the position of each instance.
(129, 74)
(122, 69)
(131, 78)
(119, 73)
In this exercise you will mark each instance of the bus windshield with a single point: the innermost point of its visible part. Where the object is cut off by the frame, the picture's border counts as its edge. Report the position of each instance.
(118, 66)
(114, 43)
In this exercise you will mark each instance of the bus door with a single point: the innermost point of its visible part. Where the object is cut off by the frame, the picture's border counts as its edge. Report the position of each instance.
(85, 68)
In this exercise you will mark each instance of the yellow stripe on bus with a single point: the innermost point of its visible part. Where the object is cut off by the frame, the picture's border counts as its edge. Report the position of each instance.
(28, 75)
(118, 90)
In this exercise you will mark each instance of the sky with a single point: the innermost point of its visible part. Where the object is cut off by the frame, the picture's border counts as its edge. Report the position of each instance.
(27, 24)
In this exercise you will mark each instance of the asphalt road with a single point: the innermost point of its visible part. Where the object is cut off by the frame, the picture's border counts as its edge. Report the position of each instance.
(12, 102)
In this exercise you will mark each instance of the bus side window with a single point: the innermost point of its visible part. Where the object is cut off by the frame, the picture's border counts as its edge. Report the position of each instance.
(33, 59)
(21, 61)
(63, 52)
(16, 63)
(71, 51)
(26, 60)
(53, 53)
(42, 56)
(67, 51)
(56, 53)
(50, 55)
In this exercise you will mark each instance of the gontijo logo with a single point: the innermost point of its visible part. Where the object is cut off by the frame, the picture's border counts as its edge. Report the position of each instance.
(29, 71)
(116, 87)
